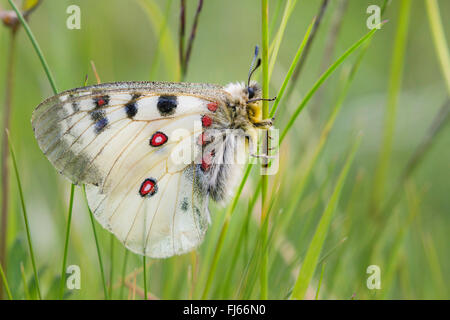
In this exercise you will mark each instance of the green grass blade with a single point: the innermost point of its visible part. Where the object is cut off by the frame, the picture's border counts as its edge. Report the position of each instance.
(111, 261)
(162, 34)
(144, 271)
(439, 39)
(320, 282)
(124, 271)
(312, 255)
(25, 282)
(55, 91)
(168, 46)
(291, 70)
(223, 232)
(231, 208)
(322, 78)
(275, 46)
(395, 82)
(66, 243)
(5, 283)
(274, 18)
(25, 216)
(36, 47)
(265, 112)
(100, 261)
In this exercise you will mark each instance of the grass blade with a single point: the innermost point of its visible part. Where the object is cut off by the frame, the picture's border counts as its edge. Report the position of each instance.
(275, 46)
(144, 264)
(100, 261)
(111, 261)
(265, 112)
(291, 70)
(55, 91)
(124, 271)
(66, 243)
(168, 46)
(320, 282)
(223, 232)
(322, 78)
(312, 255)
(439, 39)
(36, 47)
(25, 216)
(395, 82)
(5, 283)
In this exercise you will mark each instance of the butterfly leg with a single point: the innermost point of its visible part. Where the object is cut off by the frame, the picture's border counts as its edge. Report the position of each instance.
(264, 156)
(264, 124)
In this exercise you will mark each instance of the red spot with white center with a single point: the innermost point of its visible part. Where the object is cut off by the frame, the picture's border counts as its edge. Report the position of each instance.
(148, 187)
(206, 121)
(158, 139)
(212, 106)
(101, 102)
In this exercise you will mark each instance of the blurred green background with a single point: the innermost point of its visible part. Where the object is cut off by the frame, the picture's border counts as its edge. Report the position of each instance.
(409, 242)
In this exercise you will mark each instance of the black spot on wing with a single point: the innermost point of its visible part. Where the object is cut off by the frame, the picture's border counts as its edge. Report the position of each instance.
(184, 204)
(167, 105)
(98, 115)
(101, 124)
(75, 106)
(131, 107)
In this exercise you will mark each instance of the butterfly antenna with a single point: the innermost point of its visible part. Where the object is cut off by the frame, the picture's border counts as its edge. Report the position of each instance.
(262, 99)
(252, 65)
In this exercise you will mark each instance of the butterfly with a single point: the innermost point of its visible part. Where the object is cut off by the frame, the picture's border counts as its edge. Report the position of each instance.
(122, 141)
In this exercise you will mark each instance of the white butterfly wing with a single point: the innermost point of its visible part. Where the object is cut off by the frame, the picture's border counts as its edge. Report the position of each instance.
(118, 139)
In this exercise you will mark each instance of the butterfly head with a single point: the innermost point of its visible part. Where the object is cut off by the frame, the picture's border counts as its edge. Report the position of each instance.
(245, 101)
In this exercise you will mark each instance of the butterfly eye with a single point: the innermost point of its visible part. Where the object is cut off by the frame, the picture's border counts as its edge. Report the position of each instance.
(251, 92)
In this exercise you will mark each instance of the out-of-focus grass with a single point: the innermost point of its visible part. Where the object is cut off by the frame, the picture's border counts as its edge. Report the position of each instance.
(411, 247)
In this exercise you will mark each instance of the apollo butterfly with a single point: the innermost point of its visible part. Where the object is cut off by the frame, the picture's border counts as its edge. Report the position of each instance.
(120, 139)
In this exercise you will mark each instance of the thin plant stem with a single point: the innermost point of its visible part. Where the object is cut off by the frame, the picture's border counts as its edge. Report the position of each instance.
(5, 282)
(395, 82)
(440, 120)
(24, 281)
(322, 78)
(66, 243)
(320, 282)
(100, 261)
(54, 88)
(191, 38)
(275, 45)
(5, 152)
(111, 259)
(312, 255)
(301, 63)
(265, 111)
(223, 232)
(36, 47)
(25, 217)
(124, 270)
(439, 40)
(162, 33)
(274, 18)
(335, 27)
(144, 263)
(265, 114)
(291, 70)
(182, 33)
